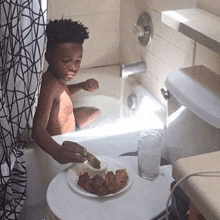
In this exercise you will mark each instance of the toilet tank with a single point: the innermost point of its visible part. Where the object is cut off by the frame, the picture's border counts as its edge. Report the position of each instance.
(193, 112)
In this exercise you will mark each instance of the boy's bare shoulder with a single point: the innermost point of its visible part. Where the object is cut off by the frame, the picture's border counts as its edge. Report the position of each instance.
(49, 84)
(49, 80)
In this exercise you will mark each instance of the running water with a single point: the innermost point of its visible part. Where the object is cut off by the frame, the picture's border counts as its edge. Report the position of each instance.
(122, 97)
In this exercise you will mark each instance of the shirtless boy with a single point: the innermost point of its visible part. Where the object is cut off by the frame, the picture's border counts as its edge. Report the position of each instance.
(55, 113)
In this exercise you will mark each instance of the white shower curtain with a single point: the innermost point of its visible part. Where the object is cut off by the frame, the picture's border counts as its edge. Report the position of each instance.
(22, 45)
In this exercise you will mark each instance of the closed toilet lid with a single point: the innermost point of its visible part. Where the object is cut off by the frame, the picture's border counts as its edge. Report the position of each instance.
(67, 204)
(198, 88)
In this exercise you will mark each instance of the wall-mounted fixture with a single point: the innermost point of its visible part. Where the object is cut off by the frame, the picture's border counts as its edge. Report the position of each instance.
(165, 93)
(143, 30)
(132, 101)
(135, 68)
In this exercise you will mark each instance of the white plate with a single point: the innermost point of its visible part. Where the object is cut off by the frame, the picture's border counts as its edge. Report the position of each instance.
(73, 172)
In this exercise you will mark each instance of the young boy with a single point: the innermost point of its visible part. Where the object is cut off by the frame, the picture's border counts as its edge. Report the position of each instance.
(55, 113)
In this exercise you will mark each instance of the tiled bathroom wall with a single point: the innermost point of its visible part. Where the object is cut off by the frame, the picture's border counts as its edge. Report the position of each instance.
(212, 6)
(169, 49)
(112, 40)
(102, 18)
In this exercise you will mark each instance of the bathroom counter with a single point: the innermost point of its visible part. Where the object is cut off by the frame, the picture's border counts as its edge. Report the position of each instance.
(203, 191)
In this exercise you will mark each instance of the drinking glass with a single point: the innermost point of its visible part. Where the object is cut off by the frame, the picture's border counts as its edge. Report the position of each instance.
(149, 154)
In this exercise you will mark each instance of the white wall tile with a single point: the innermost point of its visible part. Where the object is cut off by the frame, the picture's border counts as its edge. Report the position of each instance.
(130, 51)
(102, 18)
(58, 9)
(127, 22)
(152, 84)
(208, 58)
(130, 6)
(101, 58)
(84, 7)
(212, 6)
(169, 53)
(157, 67)
(101, 22)
(102, 40)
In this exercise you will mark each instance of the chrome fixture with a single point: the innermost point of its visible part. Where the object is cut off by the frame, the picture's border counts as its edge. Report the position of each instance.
(143, 30)
(135, 68)
(165, 93)
(132, 101)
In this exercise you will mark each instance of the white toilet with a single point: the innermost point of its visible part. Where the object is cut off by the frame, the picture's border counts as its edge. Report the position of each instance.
(193, 116)
(193, 113)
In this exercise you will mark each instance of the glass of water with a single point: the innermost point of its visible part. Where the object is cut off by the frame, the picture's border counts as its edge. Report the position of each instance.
(149, 154)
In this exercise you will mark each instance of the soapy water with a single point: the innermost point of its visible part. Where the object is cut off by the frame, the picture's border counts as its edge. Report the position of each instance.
(115, 118)
(111, 110)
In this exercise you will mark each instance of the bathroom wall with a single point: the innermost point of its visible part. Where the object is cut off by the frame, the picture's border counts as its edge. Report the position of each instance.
(102, 19)
(169, 50)
(212, 6)
(112, 40)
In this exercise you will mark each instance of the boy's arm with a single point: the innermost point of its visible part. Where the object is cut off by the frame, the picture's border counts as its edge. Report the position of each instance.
(39, 133)
(88, 85)
(73, 88)
(64, 153)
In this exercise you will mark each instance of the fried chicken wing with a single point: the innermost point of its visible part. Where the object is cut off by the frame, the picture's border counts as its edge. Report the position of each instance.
(86, 182)
(122, 178)
(101, 186)
(93, 161)
(111, 181)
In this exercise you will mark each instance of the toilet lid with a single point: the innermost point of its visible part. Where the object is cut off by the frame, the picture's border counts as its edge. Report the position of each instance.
(67, 181)
(67, 204)
(198, 88)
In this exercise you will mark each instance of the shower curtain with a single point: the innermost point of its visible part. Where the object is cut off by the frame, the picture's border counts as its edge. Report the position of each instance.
(22, 45)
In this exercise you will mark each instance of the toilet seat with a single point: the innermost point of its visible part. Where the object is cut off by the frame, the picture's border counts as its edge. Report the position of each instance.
(66, 204)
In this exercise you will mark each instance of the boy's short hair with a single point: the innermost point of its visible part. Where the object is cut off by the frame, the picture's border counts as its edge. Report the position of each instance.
(65, 31)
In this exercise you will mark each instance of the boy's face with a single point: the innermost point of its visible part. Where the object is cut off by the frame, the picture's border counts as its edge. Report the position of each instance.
(64, 62)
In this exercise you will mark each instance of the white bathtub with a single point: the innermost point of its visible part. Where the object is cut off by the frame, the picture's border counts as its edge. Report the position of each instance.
(110, 129)
(112, 92)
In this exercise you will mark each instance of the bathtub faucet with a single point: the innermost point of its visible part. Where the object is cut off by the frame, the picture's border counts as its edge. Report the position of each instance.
(135, 68)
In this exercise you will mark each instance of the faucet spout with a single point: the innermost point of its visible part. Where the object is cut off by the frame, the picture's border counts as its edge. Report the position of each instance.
(135, 68)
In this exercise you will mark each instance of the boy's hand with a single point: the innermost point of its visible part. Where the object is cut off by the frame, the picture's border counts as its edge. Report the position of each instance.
(71, 152)
(90, 85)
